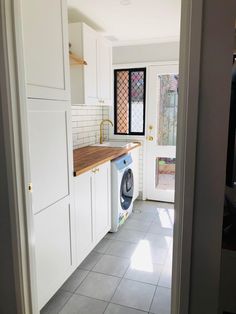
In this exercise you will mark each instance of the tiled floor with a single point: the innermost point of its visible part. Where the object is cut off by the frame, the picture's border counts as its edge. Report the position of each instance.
(129, 272)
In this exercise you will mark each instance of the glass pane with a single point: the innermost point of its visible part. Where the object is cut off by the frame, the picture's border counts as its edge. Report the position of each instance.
(137, 101)
(168, 91)
(122, 102)
(165, 173)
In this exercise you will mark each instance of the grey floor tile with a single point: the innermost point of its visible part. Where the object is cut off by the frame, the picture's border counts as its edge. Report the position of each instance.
(102, 246)
(166, 205)
(166, 274)
(112, 265)
(83, 305)
(149, 206)
(165, 216)
(157, 255)
(155, 228)
(161, 302)
(134, 294)
(144, 271)
(56, 303)
(75, 280)
(138, 225)
(119, 309)
(121, 249)
(159, 240)
(130, 235)
(98, 286)
(90, 261)
(111, 235)
(139, 214)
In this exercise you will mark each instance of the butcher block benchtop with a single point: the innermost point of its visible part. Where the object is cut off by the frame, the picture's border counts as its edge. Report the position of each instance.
(86, 158)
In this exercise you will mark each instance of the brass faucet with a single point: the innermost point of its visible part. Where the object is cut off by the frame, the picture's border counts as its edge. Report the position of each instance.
(101, 125)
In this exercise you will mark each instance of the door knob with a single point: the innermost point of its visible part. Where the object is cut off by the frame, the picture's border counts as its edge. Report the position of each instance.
(150, 138)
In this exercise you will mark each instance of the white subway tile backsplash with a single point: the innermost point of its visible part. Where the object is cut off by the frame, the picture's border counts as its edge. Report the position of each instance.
(86, 124)
(86, 130)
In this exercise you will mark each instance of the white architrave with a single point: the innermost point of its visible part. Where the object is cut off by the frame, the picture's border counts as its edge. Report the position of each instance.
(13, 106)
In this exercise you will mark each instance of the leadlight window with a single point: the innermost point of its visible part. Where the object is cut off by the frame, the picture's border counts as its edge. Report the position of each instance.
(130, 91)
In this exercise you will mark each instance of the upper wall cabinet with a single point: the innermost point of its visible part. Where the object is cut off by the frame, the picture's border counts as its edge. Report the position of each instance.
(104, 64)
(46, 49)
(91, 83)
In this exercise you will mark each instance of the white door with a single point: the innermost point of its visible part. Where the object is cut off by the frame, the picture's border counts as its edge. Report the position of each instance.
(161, 132)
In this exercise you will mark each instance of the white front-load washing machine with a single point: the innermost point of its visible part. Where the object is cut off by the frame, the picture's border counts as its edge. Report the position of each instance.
(122, 186)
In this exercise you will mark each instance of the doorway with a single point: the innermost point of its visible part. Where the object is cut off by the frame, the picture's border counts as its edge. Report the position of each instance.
(161, 132)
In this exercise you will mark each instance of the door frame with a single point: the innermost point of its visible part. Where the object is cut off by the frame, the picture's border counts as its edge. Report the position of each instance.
(13, 108)
(16, 150)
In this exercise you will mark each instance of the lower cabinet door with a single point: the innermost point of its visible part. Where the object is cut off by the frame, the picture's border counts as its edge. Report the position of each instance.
(83, 214)
(52, 249)
(102, 200)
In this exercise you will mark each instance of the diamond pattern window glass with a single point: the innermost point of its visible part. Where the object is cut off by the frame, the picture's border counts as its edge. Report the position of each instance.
(122, 102)
(130, 101)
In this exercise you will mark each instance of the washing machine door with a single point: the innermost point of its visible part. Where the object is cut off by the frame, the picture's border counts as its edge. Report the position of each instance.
(127, 189)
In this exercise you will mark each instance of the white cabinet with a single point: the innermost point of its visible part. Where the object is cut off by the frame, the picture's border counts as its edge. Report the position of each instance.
(135, 157)
(91, 83)
(83, 215)
(50, 156)
(84, 78)
(46, 48)
(51, 174)
(104, 66)
(53, 249)
(92, 208)
(101, 200)
(46, 60)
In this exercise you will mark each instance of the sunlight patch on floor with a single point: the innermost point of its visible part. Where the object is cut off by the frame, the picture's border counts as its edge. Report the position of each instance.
(142, 259)
(166, 217)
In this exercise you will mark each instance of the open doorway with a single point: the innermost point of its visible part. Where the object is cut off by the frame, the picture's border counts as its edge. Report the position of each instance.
(204, 218)
(129, 271)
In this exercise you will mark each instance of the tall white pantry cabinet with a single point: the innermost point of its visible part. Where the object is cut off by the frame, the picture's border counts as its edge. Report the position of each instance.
(45, 40)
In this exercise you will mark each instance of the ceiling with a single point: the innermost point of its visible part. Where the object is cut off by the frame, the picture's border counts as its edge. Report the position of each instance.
(130, 21)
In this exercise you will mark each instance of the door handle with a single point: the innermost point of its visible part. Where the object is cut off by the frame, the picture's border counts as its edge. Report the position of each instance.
(95, 170)
(150, 138)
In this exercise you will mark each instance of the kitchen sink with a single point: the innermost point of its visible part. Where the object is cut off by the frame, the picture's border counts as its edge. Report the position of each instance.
(112, 144)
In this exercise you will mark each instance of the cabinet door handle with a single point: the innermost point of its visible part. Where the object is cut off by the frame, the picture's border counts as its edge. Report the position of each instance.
(95, 170)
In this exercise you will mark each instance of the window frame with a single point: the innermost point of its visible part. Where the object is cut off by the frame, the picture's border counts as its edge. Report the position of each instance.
(130, 70)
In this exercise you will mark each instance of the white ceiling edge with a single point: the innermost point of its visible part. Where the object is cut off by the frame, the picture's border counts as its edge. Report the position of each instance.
(145, 41)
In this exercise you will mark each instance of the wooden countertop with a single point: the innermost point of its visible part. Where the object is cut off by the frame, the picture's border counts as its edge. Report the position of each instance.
(86, 158)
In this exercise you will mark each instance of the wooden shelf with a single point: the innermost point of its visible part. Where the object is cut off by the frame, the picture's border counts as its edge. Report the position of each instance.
(75, 60)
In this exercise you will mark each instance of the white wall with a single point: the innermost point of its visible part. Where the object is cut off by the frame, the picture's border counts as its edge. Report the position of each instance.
(146, 53)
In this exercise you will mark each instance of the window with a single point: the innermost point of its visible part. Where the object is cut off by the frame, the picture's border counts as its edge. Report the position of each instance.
(129, 113)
